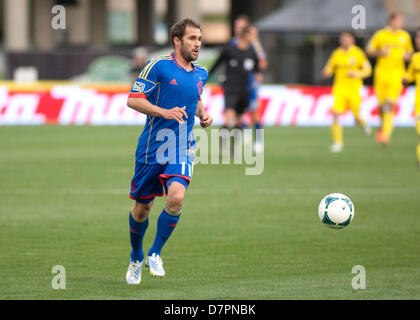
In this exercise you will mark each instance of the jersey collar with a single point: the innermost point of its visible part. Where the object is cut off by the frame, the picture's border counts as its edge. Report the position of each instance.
(388, 28)
(348, 50)
(179, 66)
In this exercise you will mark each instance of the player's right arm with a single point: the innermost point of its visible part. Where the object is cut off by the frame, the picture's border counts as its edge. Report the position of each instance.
(143, 105)
(145, 85)
(328, 70)
(374, 48)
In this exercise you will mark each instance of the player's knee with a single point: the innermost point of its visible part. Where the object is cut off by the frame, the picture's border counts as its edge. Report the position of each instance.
(141, 211)
(175, 199)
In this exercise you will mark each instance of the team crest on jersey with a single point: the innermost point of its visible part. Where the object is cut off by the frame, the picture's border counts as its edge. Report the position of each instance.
(138, 86)
(352, 61)
(200, 87)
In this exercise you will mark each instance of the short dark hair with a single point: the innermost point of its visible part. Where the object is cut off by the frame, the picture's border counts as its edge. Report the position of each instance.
(178, 29)
(348, 32)
(243, 16)
(393, 15)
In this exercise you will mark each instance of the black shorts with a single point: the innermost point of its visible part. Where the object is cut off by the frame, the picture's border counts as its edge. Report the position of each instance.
(237, 101)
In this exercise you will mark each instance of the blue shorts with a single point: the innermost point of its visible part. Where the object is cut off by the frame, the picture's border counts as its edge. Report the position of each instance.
(153, 180)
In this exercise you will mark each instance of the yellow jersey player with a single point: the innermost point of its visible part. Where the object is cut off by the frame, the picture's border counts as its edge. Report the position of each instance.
(350, 66)
(391, 46)
(413, 74)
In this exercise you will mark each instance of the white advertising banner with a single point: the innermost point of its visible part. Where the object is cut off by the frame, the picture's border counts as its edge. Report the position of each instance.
(72, 104)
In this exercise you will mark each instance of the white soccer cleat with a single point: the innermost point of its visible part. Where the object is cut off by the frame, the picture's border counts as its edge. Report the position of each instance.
(155, 264)
(336, 147)
(133, 275)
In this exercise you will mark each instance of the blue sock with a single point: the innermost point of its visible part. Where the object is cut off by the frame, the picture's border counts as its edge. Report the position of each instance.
(137, 231)
(165, 225)
(257, 126)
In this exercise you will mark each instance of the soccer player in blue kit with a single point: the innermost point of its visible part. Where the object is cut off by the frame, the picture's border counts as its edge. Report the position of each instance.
(168, 90)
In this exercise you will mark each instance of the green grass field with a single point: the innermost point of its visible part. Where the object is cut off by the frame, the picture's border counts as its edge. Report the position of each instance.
(64, 201)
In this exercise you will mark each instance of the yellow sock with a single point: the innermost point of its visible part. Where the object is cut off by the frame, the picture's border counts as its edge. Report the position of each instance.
(418, 151)
(337, 133)
(388, 123)
(418, 144)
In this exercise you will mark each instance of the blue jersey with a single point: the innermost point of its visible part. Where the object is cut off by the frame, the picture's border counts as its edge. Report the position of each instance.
(163, 82)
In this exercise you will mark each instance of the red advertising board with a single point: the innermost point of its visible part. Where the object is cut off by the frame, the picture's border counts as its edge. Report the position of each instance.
(68, 103)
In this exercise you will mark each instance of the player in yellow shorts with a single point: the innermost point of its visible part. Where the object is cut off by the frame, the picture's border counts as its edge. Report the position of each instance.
(413, 74)
(350, 66)
(391, 46)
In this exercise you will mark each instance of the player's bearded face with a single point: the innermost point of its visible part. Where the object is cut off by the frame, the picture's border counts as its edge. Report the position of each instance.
(190, 44)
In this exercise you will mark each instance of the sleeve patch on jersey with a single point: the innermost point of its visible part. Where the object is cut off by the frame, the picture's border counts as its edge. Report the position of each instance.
(138, 86)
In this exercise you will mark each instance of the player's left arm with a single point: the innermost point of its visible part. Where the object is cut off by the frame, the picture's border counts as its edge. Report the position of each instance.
(205, 119)
(409, 49)
(260, 64)
(365, 69)
(259, 51)
(260, 58)
(409, 75)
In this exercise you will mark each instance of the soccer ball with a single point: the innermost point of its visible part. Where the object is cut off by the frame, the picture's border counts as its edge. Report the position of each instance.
(336, 211)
